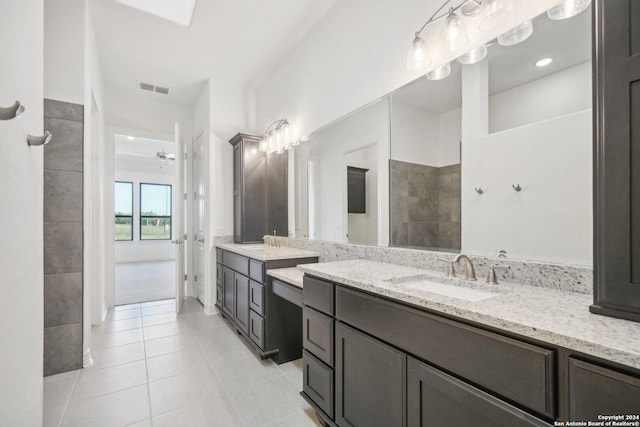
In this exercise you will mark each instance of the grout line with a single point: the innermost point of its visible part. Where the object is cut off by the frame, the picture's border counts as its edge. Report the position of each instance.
(66, 405)
(146, 369)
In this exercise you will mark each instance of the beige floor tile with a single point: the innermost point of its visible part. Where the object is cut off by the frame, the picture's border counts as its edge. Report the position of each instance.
(119, 355)
(293, 371)
(125, 307)
(122, 315)
(165, 330)
(97, 382)
(171, 344)
(183, 390)
(117, 409)
(57, 390)
(158, 309)
(159, 319)
(218, 412)
(145, 423)
(122, 325)
(114, 339)
(237, 374)
(172, 364)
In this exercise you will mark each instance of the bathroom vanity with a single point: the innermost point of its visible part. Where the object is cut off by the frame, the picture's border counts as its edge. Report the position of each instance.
(271, 325)
(382, 350)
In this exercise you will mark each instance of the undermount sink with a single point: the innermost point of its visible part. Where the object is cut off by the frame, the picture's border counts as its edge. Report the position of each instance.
(453, 290)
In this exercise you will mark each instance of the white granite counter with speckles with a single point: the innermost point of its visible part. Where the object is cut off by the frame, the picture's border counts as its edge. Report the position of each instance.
(263, 252)
(291, 275)
(555, 316)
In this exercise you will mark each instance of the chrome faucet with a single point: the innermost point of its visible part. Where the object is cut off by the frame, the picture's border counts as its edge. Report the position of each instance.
(470, 273)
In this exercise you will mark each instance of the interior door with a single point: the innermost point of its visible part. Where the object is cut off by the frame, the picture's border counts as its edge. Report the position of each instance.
(198, 215)
(178, 224)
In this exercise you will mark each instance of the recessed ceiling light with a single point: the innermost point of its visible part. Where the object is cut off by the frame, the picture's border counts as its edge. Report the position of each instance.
(544, 62)
(177, 11)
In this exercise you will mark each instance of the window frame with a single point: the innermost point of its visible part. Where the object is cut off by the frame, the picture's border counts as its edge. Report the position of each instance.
(169, 217)
(116, 216)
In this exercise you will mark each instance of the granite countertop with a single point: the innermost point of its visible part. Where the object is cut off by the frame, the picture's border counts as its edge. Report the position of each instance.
(263, 252)
(291, 275)
(555, 316)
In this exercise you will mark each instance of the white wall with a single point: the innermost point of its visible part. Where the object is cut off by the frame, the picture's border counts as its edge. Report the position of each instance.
(354, 55)
(561, 93)
(21, 178)
(551, 218)
(419, 136)
(64, 50)
(328, 174)
(145, 171)
(363, 228)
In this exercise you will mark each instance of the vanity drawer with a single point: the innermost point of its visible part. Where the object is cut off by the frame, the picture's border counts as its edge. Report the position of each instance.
(219, 273)
(489, 360)
(236, 262)
(317, 334)
(256, 297)
(219, 255)
(317, 382)
(318, 294)
(256, 328)
(256, 270)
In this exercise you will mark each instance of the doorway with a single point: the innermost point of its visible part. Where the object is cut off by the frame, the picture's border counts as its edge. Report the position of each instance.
(145, 188)
(199, 220)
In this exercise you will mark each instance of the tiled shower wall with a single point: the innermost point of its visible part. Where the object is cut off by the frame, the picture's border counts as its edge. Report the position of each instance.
(425, 206)
(63, 198)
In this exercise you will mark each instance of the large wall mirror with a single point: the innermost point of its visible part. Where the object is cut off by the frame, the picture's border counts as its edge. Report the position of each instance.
(497, 156)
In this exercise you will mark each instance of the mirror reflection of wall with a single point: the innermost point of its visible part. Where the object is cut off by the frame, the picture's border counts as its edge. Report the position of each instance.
(362, 195)
(425, 164)
(360, 139)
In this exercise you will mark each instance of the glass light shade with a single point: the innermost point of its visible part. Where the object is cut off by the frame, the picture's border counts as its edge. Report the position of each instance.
(442, 72)
(418, 57)
(295, 142)
(476, 54)
(494, 13)
(568, 9)
(263, 145)
(453, 35)
(517, 34)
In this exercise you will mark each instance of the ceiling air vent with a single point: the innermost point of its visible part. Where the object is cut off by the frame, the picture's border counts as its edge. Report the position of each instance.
(153, 88)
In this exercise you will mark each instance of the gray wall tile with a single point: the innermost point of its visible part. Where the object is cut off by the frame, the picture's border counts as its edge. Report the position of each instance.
(64, 152)
(63, 110)
(62, 195)
(62, 247)
(62, 348)
(63, 299)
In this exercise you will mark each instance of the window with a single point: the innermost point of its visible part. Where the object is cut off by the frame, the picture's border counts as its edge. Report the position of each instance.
(124, 210)
(155, 212)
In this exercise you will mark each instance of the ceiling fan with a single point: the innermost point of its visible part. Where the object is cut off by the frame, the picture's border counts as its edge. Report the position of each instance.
(161, 155)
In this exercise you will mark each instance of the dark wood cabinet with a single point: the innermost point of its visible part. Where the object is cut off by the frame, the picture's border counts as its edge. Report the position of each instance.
(272, 325)
(260, 198)
(357, 190)
(435, 399)
(228, 291)
(241, 300)
(371, 381)
(317, 383)
(617, 159)
(595, 390)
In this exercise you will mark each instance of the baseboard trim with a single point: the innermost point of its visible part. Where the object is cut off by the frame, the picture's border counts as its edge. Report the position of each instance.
(210, 310)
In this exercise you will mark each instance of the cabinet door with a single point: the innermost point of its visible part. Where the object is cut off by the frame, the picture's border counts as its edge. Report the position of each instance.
(370, 381)
(437, 399)
(594, 390)
(241, 312)
(228, 291)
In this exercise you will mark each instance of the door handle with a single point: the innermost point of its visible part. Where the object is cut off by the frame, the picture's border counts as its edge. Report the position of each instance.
(177, 242)
(201, 240)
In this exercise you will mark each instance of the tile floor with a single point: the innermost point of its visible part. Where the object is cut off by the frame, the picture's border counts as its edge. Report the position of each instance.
(145, 281)
(153, 368)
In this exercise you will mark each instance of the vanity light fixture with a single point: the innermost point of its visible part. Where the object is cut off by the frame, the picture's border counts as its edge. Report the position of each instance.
(453, 35)
(277, 138)
(568, 9)
(494, 13)
(476, 54)
(517, 34)
(442, 72)
(544, 62)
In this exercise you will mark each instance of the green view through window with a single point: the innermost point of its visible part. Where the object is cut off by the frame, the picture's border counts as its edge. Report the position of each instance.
(155, 211)
(124, 210)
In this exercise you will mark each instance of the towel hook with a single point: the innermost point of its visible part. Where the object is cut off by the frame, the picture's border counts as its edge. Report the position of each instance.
(8, 113)
(479, 190)
(34, 141)
(517, 187)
